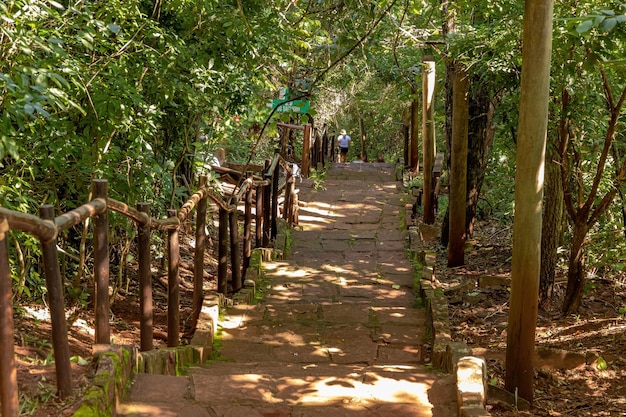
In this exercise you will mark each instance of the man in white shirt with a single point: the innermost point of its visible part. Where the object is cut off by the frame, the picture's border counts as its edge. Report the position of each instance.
(343, 141)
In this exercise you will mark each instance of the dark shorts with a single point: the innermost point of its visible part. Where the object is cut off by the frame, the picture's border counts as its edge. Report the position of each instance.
(343, 150)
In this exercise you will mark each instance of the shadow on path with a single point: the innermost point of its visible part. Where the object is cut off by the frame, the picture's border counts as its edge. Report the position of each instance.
(337, 332)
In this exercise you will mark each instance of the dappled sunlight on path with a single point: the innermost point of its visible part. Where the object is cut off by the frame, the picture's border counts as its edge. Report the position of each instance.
(338, 330)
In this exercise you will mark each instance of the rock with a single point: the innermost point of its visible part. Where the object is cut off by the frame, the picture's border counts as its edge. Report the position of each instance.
(492, 281)
(500, 395)
(558, 358)
(471, 377)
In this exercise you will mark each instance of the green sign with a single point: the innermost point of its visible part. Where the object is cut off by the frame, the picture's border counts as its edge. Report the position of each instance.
(296, 106)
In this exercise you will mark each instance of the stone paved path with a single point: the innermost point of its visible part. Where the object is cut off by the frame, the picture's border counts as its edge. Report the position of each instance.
(337, 333)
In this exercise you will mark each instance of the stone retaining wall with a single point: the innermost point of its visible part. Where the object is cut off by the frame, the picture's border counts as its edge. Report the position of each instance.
(447, 355)
(116, 365)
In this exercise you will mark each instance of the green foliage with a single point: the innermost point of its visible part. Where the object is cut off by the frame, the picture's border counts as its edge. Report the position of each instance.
(142, 93)
(122, 91)
(318, 176)
(605, 20)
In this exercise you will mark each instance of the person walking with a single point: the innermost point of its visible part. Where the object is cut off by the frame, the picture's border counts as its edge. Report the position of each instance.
(343, 141)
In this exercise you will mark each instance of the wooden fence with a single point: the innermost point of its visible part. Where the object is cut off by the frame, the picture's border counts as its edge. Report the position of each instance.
(275, 179)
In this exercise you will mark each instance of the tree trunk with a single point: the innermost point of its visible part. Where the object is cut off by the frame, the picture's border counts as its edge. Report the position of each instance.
(448, 27)
(551, 230)
(428, 136)
(480, 141)
(525, 266)
(458, 167)
(622, 198)
(362, 135)
(586, 212)
(576, 269)
(482, 105)
(414, 160)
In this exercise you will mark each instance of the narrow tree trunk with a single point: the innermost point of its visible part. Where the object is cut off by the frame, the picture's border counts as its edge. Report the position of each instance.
(448, 27)
(551, 230)
(482, 105)
(576, 269)
(481, 132)
(622, 199)
(363, 136)
(428, 136)
(458, 167)
(414, 134)
(525, 266)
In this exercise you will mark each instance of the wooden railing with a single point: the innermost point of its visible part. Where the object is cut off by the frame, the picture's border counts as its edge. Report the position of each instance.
(275, 179)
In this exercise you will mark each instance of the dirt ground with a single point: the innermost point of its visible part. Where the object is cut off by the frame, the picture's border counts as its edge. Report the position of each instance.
(581, 368)
(35, 362)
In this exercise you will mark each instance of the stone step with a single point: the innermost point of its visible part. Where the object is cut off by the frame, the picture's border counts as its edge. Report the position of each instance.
(278, 389)
(336, 332)
(318, 333)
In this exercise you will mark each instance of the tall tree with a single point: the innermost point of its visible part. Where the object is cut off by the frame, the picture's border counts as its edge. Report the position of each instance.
(591, 172)
(533, 123)
(485, 36)
(458, 166)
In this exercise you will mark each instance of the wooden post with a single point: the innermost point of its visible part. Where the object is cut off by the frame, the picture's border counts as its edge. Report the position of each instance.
(288, 191)
(531, 144)
(267, 209)
(145, 283)
(306, 151)
(458, 168)
(235, 254)
(247, 231)
(275, 192)
(290, 203)
(101, 267)
(319, 140)
(259, 216)
(9, 402)
(173, 287)
(198, 258)
(413, 160)
(222, 252)
(428, 135)
(54, 284)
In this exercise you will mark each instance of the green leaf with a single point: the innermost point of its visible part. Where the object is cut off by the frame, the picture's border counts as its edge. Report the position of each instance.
(29, 108)
(41, 110)
(56, 4)
(79, 360)
(598, 20)
(114, 28)
(584, 26)
(608, 24)
(602, 365)
(608, 12)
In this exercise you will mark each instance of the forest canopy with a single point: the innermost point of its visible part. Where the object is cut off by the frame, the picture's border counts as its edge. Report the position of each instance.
(138, 92)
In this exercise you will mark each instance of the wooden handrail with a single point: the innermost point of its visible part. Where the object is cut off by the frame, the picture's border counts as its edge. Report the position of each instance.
(47, 229)
(140, 218)
(80, 214)
(44, 230)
